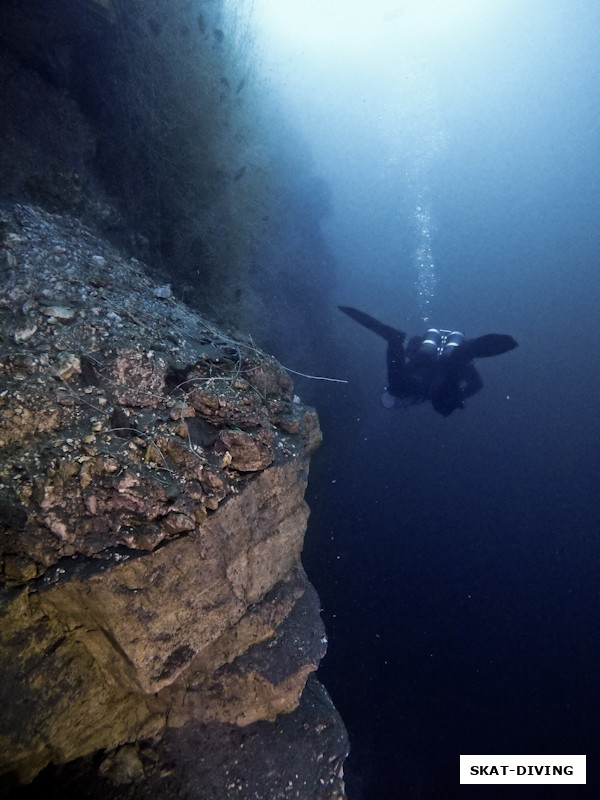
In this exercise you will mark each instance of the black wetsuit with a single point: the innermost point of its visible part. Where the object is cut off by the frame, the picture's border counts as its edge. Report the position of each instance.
(447, 379)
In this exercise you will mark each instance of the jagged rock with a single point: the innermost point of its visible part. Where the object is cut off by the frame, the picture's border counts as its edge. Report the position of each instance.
(152, 474)
(247, 452)
(296, 757)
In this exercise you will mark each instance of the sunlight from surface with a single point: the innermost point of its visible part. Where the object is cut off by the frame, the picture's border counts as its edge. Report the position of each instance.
(336, 27)
(370, 84)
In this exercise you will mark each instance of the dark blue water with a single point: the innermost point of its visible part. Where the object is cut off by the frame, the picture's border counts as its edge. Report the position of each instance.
(458, 573)
(458, 559)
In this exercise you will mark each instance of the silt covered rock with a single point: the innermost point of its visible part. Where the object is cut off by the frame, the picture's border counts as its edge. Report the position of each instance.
(152, 478)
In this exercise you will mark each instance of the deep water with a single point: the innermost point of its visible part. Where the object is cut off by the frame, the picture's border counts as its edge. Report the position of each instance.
(457, 569)
(457, 560)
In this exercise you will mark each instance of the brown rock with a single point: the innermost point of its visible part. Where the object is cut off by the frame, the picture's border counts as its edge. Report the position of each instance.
(136, 377)
(249, 453)
(287, 423)
(174, 523)
(269, 379)
(150, 580)
(311, 432)
(137, 625)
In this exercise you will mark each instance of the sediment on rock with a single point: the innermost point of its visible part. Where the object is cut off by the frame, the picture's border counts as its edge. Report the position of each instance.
(152, 478)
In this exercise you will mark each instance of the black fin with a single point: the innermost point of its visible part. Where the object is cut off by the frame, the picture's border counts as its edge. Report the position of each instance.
(388, 333)
(492, 344)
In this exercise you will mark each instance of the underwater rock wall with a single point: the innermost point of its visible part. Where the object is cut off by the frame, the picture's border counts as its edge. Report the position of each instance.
(156, 625)
(155, 126)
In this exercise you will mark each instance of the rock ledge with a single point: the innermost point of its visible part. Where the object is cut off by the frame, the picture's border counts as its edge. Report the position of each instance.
(152, 476)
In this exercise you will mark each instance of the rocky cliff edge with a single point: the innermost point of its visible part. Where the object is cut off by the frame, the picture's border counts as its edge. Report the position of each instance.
(157, 629)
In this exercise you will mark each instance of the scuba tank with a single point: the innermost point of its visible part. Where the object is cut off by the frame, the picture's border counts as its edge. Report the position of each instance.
(450, 341)
(430, 346)
(439, 343)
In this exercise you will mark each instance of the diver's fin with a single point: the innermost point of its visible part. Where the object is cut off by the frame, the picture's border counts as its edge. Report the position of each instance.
(492, 344)
(388, 333)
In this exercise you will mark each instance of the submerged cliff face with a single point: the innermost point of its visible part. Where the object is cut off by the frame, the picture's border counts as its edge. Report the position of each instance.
(158, 633)
(156, 625)
(152, 121)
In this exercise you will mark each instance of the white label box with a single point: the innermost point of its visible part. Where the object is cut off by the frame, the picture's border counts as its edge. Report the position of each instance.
(535, 769)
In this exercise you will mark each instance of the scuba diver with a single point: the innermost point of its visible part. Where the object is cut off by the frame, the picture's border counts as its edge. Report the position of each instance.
(437, 367)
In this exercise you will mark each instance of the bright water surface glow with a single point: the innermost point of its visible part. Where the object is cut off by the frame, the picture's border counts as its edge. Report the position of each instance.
(330, 56)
